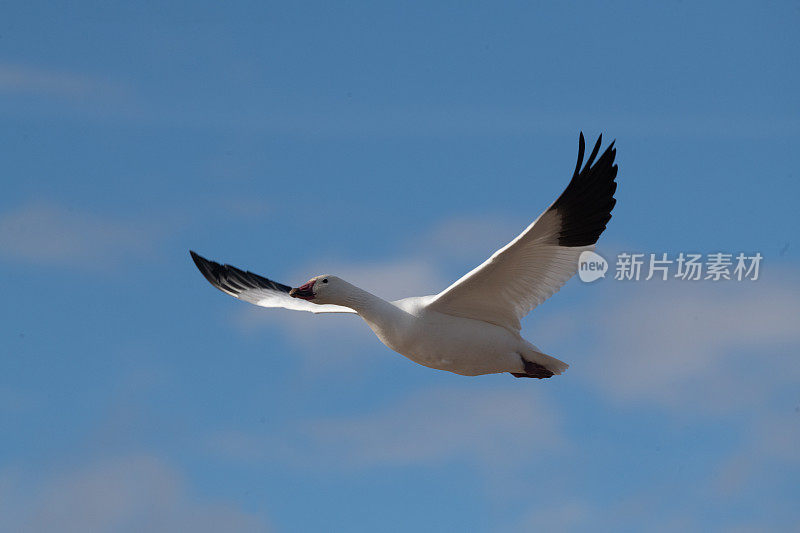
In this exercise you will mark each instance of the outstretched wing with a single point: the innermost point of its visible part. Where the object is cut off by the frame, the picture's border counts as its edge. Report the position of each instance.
(257, 289)
(532, 267)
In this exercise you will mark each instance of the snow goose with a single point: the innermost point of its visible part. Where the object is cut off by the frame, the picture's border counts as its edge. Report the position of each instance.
(473, 326)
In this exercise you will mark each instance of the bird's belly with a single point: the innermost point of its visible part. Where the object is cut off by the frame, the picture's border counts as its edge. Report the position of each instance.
(462, 346)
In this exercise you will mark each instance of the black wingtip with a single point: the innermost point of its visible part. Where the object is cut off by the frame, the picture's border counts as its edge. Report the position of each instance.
(197, 258)
(585, 205)
(581, 150)
(211, 271)
(594, 152)
(232, 280)
(200, 262)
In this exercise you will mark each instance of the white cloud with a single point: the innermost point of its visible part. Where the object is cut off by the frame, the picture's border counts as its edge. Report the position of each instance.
(704, 347)
(712, 346)
(131, 493)
(487, 428)
(325, 342)
(28, 79)
(50, 234)
(565, 515)
(470, 238)
(770, 445)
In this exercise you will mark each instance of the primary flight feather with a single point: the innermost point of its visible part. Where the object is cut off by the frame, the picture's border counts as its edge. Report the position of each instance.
(472, 327)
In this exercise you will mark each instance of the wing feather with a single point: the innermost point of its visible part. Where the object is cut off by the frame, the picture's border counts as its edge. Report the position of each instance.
(534, 266)
(257, 290)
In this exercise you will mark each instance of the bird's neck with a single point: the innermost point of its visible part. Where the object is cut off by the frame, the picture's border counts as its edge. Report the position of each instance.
(376, 311)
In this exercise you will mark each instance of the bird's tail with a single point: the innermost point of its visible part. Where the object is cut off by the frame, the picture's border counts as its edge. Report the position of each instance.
(539, 365)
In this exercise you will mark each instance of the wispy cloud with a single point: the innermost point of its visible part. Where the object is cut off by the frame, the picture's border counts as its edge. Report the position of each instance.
(472, 238)
(27, 79)
(513, 118)
(769, 448)
(46, 233)
(130, 493)
(703, 347)
(50, 233)
(487, 428)
(491, 428)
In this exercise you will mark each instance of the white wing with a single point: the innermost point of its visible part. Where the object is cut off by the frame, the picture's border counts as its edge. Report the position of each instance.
(256, 289)
(532, 267)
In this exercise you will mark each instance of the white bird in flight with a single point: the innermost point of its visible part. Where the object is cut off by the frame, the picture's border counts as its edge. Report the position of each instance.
(473, 326)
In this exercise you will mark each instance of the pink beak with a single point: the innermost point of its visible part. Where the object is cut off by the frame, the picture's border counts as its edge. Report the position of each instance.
(304, 292)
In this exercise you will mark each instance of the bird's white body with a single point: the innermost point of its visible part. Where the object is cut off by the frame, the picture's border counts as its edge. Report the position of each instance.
(460, 345)
(473, 326)
(436, 340)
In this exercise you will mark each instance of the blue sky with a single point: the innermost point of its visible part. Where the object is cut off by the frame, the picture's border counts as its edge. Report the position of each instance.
(395, 144)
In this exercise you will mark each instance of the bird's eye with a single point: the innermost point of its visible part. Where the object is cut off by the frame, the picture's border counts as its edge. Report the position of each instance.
(325, 280)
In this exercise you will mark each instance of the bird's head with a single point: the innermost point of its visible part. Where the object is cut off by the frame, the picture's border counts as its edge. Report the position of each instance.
(325, 289)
